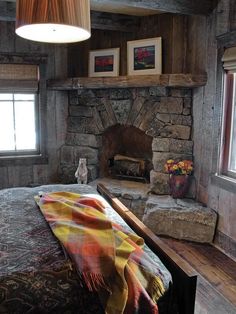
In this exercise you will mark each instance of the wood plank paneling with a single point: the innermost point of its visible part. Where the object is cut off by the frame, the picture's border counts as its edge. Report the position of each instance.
(7, 36)
(179, 44)
(183, 45)
(196, 43)
(114, 22)
(232, 15)
(4, 182)
(172, 29)
(223, 21)
(20, 175)
(161, 26)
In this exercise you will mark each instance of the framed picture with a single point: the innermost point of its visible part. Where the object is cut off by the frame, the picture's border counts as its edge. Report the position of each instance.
(104, 62)
(144, 56)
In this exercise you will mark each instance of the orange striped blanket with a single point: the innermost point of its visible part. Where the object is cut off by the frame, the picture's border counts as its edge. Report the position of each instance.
(110, 260)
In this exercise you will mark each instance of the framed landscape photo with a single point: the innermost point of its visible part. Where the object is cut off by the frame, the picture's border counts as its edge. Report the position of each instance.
(144, 56)
(104, 62)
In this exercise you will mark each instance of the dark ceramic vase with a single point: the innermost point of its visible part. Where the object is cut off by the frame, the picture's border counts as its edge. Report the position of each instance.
(179, 185)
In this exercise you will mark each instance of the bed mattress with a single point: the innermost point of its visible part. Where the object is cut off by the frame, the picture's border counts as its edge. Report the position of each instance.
(36, 275)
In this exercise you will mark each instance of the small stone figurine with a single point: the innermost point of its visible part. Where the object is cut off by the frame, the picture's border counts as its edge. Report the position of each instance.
(82, 172)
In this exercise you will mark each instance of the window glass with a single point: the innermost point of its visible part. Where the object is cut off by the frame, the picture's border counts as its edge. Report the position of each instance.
(24, 97)
(6, 96)
(17, 123)
(25, 125)
(7, 142)
(232, 151)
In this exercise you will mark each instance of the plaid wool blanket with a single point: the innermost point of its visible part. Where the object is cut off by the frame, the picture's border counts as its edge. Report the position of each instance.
(108, 259)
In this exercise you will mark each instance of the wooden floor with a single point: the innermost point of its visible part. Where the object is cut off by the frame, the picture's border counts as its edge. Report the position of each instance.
(216, 287)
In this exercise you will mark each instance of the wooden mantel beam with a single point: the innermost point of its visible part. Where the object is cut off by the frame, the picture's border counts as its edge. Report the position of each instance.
(198, 7)
(167, 80)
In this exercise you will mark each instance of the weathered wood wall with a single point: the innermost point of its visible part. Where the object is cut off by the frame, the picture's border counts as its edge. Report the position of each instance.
(56, 111)
(180, 51)
(205, 106)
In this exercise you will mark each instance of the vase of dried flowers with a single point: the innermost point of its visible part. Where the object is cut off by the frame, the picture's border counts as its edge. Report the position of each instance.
(179, 172)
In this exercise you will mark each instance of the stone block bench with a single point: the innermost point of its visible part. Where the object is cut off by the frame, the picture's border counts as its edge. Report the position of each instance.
(180, 218)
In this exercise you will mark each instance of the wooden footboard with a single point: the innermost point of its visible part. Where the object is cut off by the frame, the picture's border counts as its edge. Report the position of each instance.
(183, 275)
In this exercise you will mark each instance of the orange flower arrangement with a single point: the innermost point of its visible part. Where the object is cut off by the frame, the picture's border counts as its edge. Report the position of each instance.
(183, 167)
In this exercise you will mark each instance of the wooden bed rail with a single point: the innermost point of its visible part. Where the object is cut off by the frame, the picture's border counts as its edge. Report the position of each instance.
(183, 275)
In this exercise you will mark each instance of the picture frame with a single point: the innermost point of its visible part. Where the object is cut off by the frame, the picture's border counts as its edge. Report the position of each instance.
(144, 56)
(104, 62)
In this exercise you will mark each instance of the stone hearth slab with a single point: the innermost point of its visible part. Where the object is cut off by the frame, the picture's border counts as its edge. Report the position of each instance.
(180, 218)
(132, 194)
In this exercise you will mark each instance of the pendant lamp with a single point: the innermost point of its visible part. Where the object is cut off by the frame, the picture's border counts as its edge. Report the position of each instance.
(53, 21)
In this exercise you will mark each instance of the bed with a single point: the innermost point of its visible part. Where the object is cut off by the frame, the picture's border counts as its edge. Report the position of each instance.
(36, 274)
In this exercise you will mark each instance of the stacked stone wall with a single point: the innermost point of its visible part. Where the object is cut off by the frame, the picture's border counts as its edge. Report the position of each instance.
(163, 113)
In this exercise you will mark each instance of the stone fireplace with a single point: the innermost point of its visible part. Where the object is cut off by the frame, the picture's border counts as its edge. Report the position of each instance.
(152, 124)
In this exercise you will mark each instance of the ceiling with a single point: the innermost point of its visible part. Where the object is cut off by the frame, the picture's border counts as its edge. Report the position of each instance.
(146, 7)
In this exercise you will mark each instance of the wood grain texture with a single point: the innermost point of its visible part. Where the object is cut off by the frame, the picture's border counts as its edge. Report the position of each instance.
(114, 22)
(227, 40)
(222, 20)
(168, 80)
(135, 7)
(216, 268)
(183, 42)
(232, 15)
(221, 240)
(209, 300)
(179, 44)
(180, 6)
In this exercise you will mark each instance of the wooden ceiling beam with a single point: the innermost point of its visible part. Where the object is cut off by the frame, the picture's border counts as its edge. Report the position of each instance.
(198, 7)
(190, 7)
(114, 22)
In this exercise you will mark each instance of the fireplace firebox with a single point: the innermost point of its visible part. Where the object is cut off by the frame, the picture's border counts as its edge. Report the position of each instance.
(126, 153)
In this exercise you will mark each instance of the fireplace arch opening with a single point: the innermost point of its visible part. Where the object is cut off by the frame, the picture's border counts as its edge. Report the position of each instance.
(126, 152)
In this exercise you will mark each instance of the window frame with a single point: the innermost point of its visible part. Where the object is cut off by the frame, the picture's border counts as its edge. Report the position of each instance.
(219, 176)
(228, 110)
(26, 152)
(38, 156)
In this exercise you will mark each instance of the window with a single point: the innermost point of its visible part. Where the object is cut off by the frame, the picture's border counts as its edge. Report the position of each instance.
(228, 151)
(21, 115)
(18, 123)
